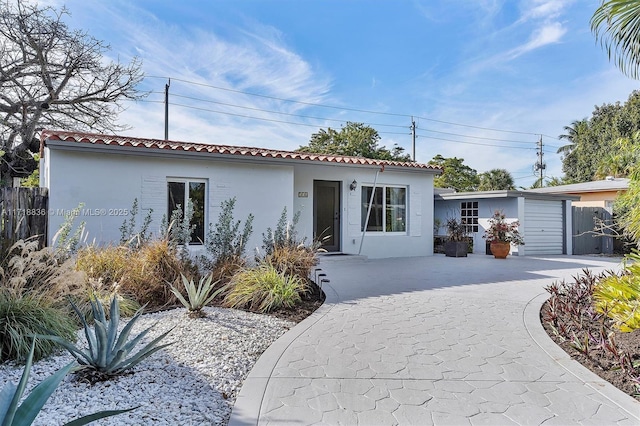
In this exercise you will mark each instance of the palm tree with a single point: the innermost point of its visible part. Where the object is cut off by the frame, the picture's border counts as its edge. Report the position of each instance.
(573, 132)
(616, 24)
(496, 179)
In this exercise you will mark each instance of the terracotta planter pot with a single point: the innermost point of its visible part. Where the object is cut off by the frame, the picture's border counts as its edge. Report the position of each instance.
(500, 249)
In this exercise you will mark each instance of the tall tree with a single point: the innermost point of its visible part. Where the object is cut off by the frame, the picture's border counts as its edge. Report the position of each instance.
(573, 134)
(56, 77)
(496, 180)
(353, 139)
(595, 138)
(616, 24)
(455, 175)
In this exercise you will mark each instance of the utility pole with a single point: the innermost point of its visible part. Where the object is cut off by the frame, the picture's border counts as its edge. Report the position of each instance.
(413, 139)
(166, 110)
(540, 166)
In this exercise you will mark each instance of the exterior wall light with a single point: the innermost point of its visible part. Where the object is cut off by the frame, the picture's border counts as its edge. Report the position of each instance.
(353, 185)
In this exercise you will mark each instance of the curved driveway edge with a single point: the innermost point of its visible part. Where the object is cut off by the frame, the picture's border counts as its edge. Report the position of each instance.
(246, 409)
(431, 341)
(542, 339)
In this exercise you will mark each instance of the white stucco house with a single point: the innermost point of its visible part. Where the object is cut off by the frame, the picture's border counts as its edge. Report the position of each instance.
(545, 219)
(332, 193)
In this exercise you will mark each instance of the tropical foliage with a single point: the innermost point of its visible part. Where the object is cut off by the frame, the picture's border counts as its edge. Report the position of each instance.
(353, 139)
(595, 149)
(456, 175)
(501, 231)
(616, 24)
(496, 180)
(618, 296)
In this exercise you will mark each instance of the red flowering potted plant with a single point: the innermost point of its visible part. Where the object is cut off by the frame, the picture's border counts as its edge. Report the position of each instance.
(500, 235)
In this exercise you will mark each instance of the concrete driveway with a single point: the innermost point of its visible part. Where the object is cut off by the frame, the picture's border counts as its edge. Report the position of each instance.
(431, 340)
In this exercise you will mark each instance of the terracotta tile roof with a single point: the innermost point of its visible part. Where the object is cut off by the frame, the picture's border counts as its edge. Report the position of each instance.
(125, 141)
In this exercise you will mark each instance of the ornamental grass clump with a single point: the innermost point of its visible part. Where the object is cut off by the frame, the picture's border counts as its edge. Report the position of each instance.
(501, 231)
(22, 317)
(264, 289)
(109, 354)
(197, 296)
(285, 251)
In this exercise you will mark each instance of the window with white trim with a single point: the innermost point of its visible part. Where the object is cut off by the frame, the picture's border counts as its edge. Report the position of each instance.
(469, 215)
(388, 209)
(180, 192)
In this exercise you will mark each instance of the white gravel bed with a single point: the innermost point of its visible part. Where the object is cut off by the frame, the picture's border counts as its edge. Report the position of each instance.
(192, 382)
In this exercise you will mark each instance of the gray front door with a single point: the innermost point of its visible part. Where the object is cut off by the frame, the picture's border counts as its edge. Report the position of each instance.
(326, 213)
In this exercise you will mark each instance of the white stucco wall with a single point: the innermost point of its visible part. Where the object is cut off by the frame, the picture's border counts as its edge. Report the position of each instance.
(108, 183)
(417, 241)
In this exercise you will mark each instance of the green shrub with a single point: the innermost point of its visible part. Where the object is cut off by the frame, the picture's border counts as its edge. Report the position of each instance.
(22, 317)
(131, 237)
(12, 414)
(109, 352)
(263, 289)
(618, 296)
(225, 243)
(284, 235)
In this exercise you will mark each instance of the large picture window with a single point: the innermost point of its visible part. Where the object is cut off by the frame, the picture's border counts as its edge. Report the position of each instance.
(388, 209)
(180, 193)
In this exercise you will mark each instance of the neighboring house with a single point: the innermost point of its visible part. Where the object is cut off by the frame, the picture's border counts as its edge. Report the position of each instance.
(595, 204)
(545, 219)
(600, 193)
(331, 192)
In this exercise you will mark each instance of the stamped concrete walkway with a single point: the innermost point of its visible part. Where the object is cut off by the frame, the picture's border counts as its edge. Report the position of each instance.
(427, 341)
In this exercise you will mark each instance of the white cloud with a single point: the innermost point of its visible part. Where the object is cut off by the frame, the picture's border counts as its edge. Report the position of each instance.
(547, 34)
(253, 60)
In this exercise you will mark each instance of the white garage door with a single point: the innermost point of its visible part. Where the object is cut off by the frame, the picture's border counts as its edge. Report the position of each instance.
(543, 227)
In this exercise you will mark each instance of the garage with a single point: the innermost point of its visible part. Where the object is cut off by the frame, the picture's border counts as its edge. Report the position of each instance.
(543, 227)
(544, 224)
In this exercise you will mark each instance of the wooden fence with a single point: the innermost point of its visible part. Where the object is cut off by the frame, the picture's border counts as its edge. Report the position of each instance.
(23, 214)
(585, 241)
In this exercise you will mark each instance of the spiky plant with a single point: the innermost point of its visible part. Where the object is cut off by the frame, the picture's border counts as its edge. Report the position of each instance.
(109, 353)
(197, 296)
(12, 414)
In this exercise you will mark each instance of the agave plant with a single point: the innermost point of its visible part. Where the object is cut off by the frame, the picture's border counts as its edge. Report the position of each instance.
(12, 414)
(197, 296)
(108, 352)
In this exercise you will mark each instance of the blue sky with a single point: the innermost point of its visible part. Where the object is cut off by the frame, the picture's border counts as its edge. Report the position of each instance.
(483, 78)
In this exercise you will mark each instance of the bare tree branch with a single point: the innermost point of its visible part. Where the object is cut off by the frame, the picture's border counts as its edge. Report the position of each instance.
(56, 77)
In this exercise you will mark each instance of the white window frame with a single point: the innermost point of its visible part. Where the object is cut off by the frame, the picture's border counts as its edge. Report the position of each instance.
(365, 206)
(469, 216)
(187, 181)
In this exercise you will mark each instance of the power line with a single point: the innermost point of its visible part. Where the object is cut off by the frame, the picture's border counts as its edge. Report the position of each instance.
(475, 143)
(337, 120)
(280, 112)
(345, 108)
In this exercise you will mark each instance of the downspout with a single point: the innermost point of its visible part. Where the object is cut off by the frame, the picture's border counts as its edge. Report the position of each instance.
(366, 221)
